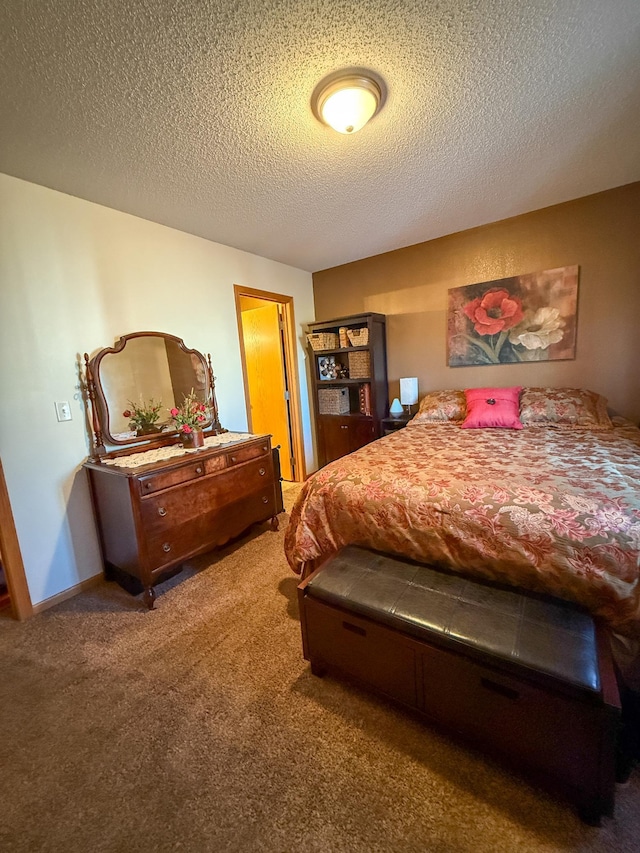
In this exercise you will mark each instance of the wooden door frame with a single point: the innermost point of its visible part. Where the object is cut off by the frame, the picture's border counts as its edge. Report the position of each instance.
(291, 364)
(21, 606)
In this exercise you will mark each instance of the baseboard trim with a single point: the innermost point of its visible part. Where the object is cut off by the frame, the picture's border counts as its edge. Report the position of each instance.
(66, 594)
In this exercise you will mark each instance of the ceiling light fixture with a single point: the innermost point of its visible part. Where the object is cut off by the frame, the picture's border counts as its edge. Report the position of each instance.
(347, 100)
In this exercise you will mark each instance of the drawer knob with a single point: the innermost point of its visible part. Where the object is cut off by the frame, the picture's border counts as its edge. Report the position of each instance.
(162, 511)
(199, 469)
(147, 485)
(233, 458)
(264, 448)
(166, 547)
(265, 499)
(262, 472)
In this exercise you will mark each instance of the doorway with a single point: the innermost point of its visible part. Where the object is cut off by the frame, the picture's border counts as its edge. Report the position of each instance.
(11, 558)
(266, 330)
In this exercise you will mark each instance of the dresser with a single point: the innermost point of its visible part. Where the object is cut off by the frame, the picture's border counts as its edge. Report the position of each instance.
(156, 508)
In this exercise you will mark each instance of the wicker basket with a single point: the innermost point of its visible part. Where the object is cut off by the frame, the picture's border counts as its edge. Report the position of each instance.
(323, 340)
(333, 401)
(359, 365)
(358, 337)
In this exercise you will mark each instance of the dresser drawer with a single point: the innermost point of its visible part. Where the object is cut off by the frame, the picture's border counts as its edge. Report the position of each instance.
(209, 529)
(244, 454)
(215, 463)
(369, 652)
(205, 494)
(167, 479)
(201, 466)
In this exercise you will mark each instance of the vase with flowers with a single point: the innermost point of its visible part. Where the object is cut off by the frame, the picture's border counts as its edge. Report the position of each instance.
(190, 419)
(143, 416)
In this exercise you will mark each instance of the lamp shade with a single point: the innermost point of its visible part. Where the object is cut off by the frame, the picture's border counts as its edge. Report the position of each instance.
(409, 391)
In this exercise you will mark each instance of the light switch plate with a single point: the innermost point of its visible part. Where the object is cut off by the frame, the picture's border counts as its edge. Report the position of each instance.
(63, 411)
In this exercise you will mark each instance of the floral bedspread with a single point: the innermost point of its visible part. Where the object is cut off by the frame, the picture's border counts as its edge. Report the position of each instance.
(547, 509)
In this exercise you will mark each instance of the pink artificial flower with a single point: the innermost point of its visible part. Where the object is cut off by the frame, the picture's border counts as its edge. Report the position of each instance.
(174, 412)
(186, 428)
(494, 312)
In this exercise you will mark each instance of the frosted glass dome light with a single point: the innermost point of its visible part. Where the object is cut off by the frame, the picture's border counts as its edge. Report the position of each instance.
(346, 103)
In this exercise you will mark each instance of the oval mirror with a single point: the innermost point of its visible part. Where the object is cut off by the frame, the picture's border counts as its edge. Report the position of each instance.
(135, 384)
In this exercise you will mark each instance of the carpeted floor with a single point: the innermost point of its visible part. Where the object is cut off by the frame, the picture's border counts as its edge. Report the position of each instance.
(199, 727)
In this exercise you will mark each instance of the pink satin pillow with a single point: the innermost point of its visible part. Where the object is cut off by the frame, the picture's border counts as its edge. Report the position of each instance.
(493, 407)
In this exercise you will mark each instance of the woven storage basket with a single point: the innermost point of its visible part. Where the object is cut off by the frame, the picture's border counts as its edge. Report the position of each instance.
(359, 365)
(323, 340)
(358, 337)
(333, 401)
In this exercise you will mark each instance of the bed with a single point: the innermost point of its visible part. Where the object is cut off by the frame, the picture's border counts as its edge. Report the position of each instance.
(550, 504)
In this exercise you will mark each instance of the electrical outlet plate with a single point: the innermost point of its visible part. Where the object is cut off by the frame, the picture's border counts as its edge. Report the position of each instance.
(63, 411)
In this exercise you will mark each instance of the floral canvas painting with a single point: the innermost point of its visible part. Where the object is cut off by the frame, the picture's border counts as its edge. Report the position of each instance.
(528, 317)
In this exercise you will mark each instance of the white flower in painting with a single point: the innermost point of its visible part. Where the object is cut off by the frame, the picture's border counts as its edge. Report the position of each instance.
(538, 330)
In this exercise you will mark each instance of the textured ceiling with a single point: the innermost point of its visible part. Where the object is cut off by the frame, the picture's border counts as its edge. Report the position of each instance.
(196, 114)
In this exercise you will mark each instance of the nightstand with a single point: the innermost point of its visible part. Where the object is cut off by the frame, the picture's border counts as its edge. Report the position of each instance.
(391, 424)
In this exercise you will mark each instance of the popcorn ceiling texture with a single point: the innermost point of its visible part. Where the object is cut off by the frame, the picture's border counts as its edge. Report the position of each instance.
(196, 114)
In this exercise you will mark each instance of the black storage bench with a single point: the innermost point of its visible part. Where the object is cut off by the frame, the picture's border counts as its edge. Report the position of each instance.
(527, 677)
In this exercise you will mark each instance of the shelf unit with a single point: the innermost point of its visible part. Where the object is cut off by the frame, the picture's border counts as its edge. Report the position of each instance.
(351, 417)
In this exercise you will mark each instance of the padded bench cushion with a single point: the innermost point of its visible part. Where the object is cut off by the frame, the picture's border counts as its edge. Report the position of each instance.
(524, 631)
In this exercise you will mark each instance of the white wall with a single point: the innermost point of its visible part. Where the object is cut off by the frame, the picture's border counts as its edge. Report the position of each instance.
(74, 277)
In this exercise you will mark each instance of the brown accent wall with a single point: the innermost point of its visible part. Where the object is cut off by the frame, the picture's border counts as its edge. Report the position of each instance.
(600, 233)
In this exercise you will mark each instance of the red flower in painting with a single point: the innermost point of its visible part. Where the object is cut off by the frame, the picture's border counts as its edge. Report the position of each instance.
(494, 312)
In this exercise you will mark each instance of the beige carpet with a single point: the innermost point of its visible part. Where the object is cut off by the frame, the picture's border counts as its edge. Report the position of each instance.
(198, 727)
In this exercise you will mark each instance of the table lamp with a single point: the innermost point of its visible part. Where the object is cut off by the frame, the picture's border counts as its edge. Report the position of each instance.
(409, 392)
(395, 409)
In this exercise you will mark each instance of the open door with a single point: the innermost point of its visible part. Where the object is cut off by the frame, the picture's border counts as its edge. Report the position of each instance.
(267, 343)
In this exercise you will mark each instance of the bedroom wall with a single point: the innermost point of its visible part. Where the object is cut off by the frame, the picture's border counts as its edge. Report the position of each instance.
(598, 232)
(74, 277)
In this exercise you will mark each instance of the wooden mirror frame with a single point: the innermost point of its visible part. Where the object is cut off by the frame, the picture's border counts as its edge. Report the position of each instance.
(100, 416)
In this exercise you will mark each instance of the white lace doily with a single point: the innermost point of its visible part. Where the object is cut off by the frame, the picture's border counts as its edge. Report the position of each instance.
(148, 457)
